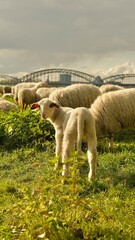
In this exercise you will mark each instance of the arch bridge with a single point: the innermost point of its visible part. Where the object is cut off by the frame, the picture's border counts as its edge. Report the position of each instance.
(8, 79)
(60, 76)
(121, 79)
(53, 77)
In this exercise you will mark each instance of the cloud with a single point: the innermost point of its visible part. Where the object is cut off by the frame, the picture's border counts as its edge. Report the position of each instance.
(125, 68)
(70, 33)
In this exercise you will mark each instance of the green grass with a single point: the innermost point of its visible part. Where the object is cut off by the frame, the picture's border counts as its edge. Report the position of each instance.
(34, 204)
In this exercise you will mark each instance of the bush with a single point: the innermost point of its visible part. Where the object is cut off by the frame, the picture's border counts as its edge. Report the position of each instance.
(27, 129)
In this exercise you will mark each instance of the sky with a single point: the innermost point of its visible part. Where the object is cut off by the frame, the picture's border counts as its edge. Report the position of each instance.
(93, 36)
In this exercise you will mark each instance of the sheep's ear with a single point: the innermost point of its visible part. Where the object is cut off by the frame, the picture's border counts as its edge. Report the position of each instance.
(53, 104)
(34, 106)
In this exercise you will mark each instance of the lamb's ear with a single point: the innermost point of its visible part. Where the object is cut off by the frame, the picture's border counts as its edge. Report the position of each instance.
(53, 104)
(34, 106)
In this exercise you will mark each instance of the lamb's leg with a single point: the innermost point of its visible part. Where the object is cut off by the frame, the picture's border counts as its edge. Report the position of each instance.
(92, 156)
(68, 146)
(58, 150)
(80, 127)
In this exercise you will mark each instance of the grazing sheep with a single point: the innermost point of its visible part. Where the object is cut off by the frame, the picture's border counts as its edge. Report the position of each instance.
(8, 96)
(44, 92)
(27, 96)
(109, 88)
(71, 125)
(23, 85)
(76, 95)
(114, 111)
(7, 106)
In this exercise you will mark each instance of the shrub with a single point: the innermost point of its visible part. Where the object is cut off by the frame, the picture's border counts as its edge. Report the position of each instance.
(27, 129)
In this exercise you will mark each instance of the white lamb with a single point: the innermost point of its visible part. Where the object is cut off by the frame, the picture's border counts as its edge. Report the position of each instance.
(71, 125)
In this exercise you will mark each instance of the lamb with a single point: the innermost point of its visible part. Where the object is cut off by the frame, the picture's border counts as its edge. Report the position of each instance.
(71, 125)
(27, 96)
(114, 111)
(76, 95)
(44, 92)
(110, 87)
(23, 85)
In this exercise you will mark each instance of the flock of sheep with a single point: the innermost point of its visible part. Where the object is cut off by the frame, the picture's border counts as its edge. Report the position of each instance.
(78, 112)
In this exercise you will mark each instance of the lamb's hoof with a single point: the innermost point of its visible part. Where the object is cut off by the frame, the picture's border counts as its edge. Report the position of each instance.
(91, 177)
(56, 167)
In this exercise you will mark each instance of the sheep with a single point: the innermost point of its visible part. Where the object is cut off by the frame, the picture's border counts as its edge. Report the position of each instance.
(23, 85)
(71, 125)
(27, 96)
(76, 95)
(44, 92)
(8, 96)
(110, 87)
(114, 111)
(7, 106)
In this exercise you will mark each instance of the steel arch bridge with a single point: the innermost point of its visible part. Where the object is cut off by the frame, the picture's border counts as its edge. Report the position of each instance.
(8, 79)
(51, 75)
(123, 79)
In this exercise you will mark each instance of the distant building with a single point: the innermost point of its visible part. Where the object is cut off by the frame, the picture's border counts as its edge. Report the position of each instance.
(65, 79)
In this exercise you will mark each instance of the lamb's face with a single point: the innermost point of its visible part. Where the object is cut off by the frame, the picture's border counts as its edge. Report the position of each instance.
(46, 107)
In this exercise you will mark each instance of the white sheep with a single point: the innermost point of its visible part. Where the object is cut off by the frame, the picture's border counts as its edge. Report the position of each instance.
(8, 96)
(27, 96)
(23, 85)
(44, 92)
(71, 125)
(114, 111)
(109, 88)
(7, 105)
(76, 95)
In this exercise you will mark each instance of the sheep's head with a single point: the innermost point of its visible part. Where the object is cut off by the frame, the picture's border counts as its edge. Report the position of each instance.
(46, 106)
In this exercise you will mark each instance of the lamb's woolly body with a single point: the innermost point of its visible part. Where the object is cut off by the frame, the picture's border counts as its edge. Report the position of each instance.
(44, 92)
(114, 111)
(76, 95)
(71, 125)
(109, 88)
(27, 96)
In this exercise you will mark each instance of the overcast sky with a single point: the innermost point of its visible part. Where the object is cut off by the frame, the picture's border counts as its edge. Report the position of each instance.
(93, 36)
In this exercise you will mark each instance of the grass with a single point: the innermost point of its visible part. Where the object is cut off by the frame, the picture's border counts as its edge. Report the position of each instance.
(34, 204)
